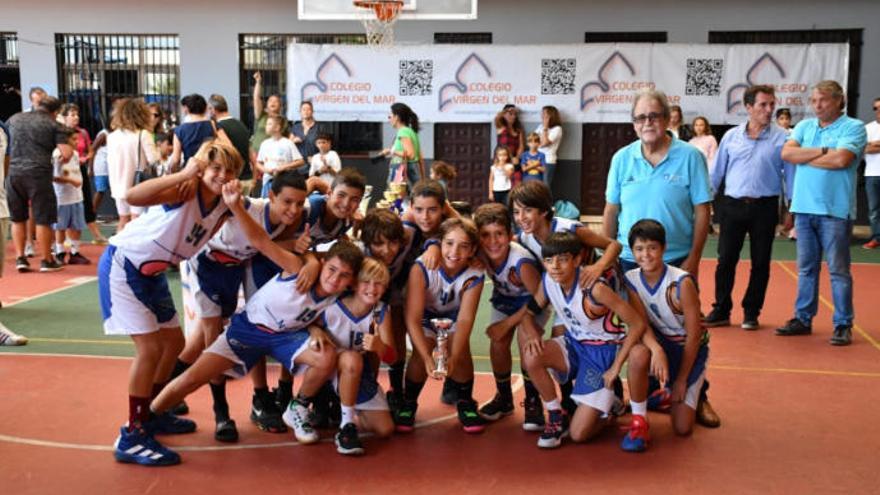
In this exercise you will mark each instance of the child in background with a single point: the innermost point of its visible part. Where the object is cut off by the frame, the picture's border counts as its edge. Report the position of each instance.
(165, 143)
(499, 175)
(533, 161)
(325, 163)
(443, 173)
(71, 213)
(99, 168)
(277, 153)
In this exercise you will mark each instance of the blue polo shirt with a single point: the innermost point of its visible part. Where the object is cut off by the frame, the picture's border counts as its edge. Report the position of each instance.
(667, 193)
(821, 191)
(751, 168)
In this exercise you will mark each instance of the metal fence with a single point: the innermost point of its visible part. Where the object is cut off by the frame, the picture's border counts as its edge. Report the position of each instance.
(267, 53)
(94, 70)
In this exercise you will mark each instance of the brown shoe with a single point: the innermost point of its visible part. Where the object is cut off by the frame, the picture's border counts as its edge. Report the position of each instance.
(707, 416)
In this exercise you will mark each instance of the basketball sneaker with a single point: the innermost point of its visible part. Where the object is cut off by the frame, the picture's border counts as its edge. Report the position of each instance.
(181, 409)
(169, 424)
(449, 396)
(497, 408)
(405, 419)
(470, 419)
(297, 418)
(660, 400)
(534, 420)
(139, 447)
(636, 439)
(78, 259)
(225, 430)
(348, 442)
(266, 415)
(10, 338)
(555, 430)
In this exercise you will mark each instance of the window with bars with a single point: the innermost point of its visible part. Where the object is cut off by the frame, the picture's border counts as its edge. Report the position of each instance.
(94, 70)
(267, 53)
(10, 80)
(463, 38)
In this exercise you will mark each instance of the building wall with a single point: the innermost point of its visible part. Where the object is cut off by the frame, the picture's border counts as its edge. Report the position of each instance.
(209, 32)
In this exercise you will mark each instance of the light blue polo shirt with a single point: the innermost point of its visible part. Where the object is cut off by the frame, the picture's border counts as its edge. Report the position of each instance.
(821, 191)
(666, 193)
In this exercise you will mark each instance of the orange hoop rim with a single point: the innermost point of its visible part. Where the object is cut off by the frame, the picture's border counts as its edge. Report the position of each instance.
(385, 10)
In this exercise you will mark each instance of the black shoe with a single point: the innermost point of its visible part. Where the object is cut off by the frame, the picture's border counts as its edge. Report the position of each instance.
(534, 420)
(717, 319)
(322, 408)
(497, 408)
(50, 266)
(842, 335)
(226, 431)
(348, 442)
(181, 409)
(282, 397)
(405, 417)
(794, 326)
(265, 414)
(60, 257)
(750, 323)
(450, 394)
(470, 419)
(395, 400)
(22, 265)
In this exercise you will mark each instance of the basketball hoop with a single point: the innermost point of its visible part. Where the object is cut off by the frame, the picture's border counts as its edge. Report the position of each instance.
(378, 18)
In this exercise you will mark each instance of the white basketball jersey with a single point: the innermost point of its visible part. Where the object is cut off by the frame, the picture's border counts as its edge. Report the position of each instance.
(169, 234)
(347, 330)
(569, 307)
(231, 239)
(508, 293)
(443, 293)
(279, 307)
(660, 301)
(558, 224)
(314, 212)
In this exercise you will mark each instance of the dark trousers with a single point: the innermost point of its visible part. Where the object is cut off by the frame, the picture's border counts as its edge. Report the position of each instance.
(756, 217)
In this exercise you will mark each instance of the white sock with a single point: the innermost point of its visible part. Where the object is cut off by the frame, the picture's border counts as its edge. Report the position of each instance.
(639, 408)
(59, 248)
(347, 415)
(552, 405)
(74, 247)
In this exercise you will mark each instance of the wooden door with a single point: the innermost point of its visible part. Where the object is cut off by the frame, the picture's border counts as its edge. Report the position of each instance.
(600, 142)
(468, 148)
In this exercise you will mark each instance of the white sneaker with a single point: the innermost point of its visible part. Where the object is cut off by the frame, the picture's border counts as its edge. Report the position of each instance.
(10, 338)
(29, 250)
(297, 418)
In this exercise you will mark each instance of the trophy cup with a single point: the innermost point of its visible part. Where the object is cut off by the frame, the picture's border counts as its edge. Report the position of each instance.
(441, 350)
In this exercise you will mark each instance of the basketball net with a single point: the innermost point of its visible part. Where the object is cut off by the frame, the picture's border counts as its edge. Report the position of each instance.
(378, 18)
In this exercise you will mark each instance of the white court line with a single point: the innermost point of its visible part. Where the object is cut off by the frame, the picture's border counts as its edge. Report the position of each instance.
(74, 282)
(196, 448)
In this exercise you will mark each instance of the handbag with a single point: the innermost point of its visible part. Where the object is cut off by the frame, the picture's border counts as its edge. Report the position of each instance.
(145, 173)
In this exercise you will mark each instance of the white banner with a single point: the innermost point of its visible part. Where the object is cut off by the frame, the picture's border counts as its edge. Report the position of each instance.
(587, 82)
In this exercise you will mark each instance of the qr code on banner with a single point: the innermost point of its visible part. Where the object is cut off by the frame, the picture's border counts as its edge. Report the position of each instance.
(704, 76)
(557, 76)
(416, 77)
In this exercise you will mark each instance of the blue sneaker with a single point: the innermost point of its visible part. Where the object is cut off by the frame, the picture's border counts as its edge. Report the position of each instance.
(169, 424)
(139, 447)
(636, 439)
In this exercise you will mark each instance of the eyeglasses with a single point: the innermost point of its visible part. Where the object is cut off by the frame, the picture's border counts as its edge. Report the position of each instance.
(643, 118)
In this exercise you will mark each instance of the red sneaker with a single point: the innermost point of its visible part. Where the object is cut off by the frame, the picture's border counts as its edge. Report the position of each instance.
(872, 244)
(636, 439)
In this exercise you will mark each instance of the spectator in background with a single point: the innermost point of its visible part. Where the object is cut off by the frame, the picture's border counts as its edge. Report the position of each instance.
(99, 170)
(157, 119)
(500, 173)
(272, 108)
(305, 132)
(510, 132)
(35, 95)
(783, 119)
(826, 150)
(550, 132)
(704, 141)
(872, 176)
(130, 148)
(70, 114)
(234, 132)
(444, 173)
(34, 136)
(325, 163)
(7, 336)
(71, 220)
(406, 164)
(195, 130)
(676, 124)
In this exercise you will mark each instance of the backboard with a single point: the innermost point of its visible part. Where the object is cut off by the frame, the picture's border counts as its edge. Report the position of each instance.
(341, 10)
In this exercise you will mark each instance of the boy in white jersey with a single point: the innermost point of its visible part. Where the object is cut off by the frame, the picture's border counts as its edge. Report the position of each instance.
(451, 291)
(67, 182)
(515, 275)
(277, 153)
(330, 216)
(134, 294)
(359, 326)
(590, 353)
(532, 206)
(679, 343)
(275, 322)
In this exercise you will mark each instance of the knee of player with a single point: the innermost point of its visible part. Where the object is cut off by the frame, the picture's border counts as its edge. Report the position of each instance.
(639, 357)
(384, 429)
(578, 435)
(350, 362)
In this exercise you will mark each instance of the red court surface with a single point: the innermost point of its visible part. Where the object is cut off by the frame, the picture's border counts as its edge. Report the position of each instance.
(798, 417)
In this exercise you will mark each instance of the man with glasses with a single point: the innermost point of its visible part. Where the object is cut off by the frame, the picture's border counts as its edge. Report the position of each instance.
(667, 180)
(872, 176)
(826, 150)
(749, 164)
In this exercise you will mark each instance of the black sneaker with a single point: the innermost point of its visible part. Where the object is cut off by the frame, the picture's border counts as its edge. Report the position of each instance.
(322, 407)
(842, 335)
(497, 408)
(470, 419)
(60, 257)
(50, 266)
(405, 417)
(22, 265)
(78, 259)
(226, 431)
(282, 397)
(534, 414)
(395, 400)
(181, 409)
(716, 319)
(450, 394)
(794, 326)
(554, 431)
(265, 414)
(348, 442)
(750, 323)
